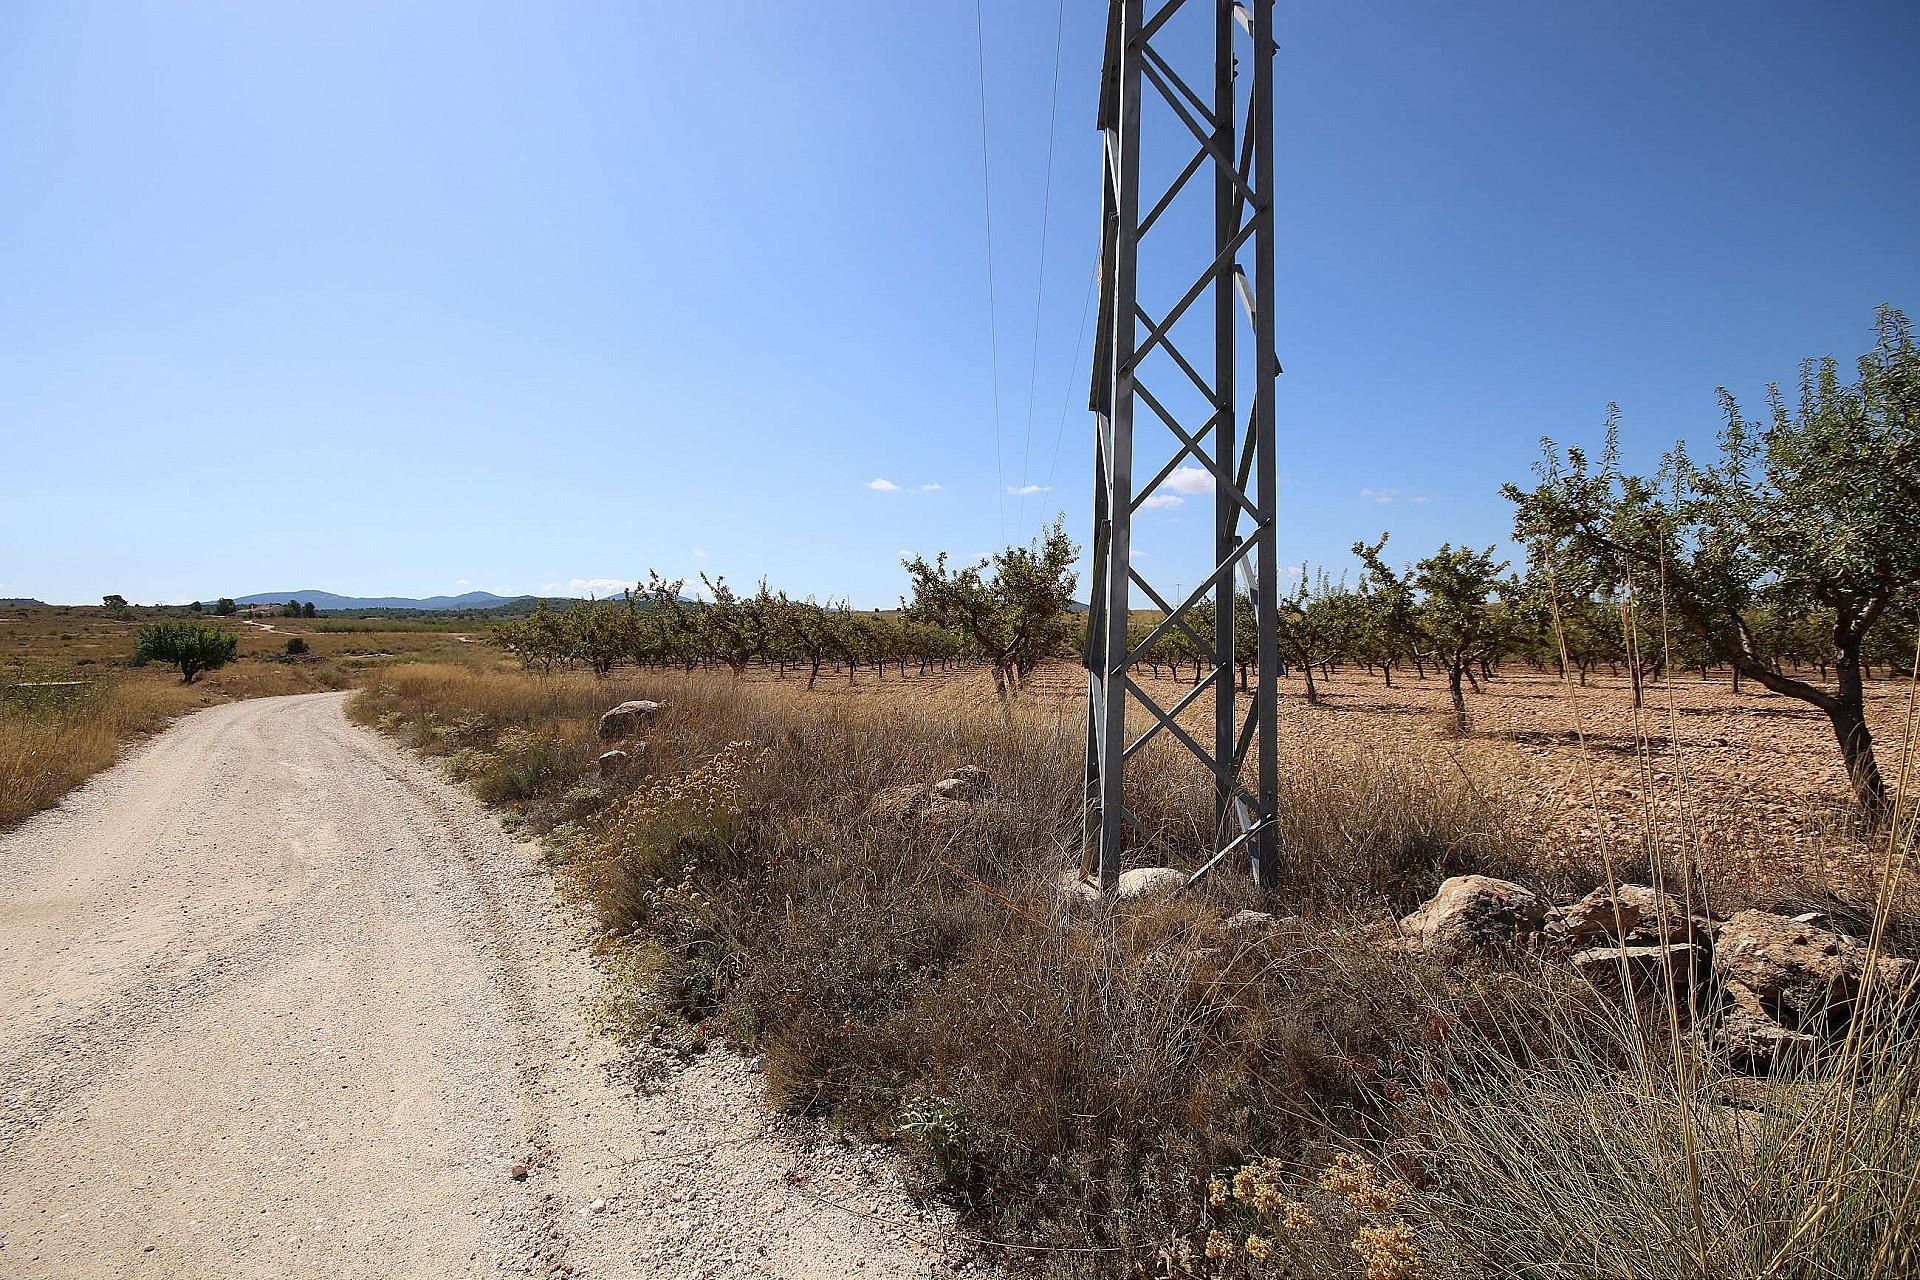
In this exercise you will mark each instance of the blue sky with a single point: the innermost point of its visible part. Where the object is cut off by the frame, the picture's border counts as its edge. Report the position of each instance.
(390, 298)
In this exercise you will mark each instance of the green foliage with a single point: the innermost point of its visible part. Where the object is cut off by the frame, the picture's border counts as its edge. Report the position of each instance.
(1012, 606)
(1446, 606)
(1811, 514)
(116, 606)
(296, 646)
(291, 609)
(191, 646)
(1317, 623)
(225, 608)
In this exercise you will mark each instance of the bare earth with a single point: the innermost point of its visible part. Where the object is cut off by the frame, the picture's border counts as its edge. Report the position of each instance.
(277, 1001)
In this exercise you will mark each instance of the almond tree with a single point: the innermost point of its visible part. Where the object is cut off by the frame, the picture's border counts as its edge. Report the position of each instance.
(1316, 624)
(191, 646)
(1449, 602)
(1012, 606)
(1819, 506)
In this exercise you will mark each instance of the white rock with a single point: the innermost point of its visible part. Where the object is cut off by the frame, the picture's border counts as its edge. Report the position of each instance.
(1146, 883)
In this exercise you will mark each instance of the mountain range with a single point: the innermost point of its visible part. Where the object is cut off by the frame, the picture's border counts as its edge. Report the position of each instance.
(328, 602)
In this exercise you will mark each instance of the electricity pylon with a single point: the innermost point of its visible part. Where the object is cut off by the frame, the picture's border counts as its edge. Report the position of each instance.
(1231, 129)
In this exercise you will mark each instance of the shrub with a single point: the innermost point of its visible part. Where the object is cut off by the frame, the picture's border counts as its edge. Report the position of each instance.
(191, 646)
(296, 646)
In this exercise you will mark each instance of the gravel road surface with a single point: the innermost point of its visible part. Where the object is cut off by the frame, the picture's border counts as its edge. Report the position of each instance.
(275, 1000)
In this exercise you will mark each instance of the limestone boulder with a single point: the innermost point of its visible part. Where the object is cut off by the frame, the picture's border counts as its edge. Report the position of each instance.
(1651, 968)
(1631, 913)
(1750, 1037)
(915, 804)
(968, 782)
(1802, 974)
(1474, 915)
(627, 719)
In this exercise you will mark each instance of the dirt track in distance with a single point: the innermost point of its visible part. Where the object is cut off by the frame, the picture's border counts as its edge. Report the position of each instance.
(275, 1000)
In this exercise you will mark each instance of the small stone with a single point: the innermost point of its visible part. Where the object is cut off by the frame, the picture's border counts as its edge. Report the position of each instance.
(1147, 883)
(1249, 922)
(519, 1173)
(954, 789)
(598, 1206)
(968, 782)
(614, 763)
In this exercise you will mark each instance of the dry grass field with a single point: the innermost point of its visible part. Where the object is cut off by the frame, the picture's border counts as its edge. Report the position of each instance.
(1147, 1090)
(1745, 789)
(70, 701)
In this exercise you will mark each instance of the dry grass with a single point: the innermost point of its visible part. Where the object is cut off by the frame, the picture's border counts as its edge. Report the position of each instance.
(1074, 1082)
(69, 700)
(1144, 1091)
(52, 741)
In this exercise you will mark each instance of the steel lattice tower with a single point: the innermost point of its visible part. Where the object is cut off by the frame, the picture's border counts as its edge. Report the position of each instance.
(1232, 128)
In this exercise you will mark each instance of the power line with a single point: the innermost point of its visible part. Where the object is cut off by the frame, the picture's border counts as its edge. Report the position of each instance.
(993, 322)
(1060, 433)
(1040, 288)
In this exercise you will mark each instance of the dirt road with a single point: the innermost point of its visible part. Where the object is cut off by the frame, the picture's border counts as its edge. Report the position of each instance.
(277, 1001)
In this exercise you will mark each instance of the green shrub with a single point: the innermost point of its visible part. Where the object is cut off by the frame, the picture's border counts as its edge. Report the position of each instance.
(296, 646)
(191, 646)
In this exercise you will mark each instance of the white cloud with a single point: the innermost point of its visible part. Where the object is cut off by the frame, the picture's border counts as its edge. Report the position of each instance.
(460, 582)
(699, 554)
(1380, 495)
(599, 588)
(931, 488)
(1162, 501)
(1192, 481)
(882, 484)
(1028, 490)
(1421, 498)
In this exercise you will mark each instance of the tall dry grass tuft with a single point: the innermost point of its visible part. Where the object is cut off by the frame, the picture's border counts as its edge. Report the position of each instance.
(1623, 1151)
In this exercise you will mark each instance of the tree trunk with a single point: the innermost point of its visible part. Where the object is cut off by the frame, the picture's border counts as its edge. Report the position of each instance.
(1849, 718)
(1313, 691)
(1454, 674)
(1000, 690)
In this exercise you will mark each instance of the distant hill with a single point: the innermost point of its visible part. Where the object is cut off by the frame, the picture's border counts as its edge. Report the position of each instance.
(25, 603)
(328, 602)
